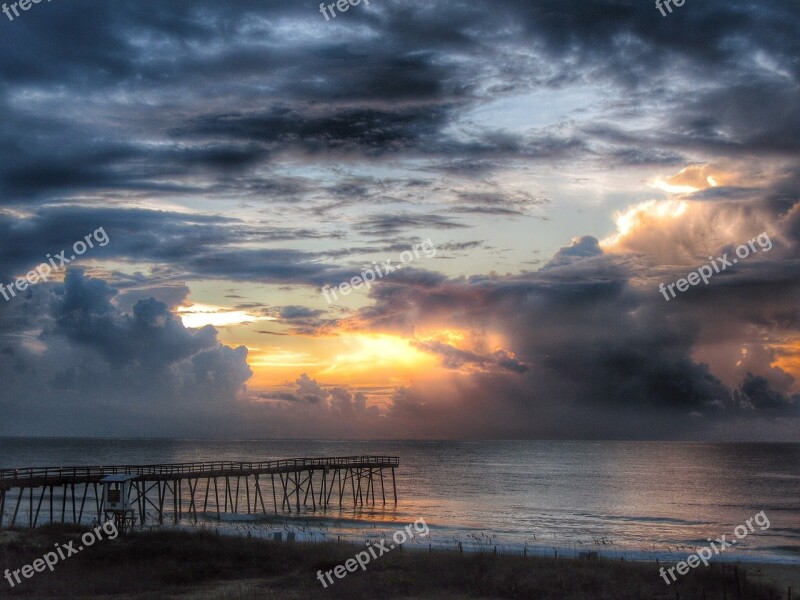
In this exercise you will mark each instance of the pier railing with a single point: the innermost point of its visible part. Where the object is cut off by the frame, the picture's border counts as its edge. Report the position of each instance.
(16, 477)
(293, 483)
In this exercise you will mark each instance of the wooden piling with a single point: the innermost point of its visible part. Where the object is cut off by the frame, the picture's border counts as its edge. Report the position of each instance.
(299, 482)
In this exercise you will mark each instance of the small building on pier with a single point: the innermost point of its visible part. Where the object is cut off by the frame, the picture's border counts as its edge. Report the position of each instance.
(116, 494)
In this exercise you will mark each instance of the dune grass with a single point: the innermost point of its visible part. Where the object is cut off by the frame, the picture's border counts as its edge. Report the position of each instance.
(205, 565)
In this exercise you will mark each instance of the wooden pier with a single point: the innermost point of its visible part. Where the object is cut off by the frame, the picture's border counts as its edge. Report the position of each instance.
(69, 494)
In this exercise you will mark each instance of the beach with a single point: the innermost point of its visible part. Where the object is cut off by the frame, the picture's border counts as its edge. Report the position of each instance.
(202, 565)
(632, 500)
(574, 520)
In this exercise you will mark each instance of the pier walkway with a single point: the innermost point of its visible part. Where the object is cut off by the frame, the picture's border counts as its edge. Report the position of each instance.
(187, 490)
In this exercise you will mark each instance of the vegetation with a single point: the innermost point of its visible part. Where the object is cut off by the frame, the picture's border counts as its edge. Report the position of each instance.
(205, 565)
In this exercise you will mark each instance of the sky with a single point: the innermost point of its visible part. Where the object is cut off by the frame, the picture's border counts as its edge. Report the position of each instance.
(214, 172)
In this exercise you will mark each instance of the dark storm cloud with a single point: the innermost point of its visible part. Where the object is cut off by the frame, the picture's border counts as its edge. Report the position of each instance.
(166, 146)
(353, 130)
(94, 365)
(391, 92)
(151, 336)
(133, 234)
(109, 103)
(192, 246)
(757, 115)
(601, 355)
(395, 92)
(756, 393)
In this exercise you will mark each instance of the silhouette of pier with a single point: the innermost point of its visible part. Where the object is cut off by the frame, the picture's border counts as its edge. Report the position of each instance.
(67, 494)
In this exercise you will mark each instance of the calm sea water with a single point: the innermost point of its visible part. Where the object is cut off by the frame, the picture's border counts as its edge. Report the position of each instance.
(634, 499)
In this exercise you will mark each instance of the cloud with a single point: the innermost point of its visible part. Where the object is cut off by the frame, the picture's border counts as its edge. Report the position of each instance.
(245, 142)
(600, 351)
(80, 356)
(581, 248)
(455, 358)
(335, 402)
(755, 393)
(387, 224)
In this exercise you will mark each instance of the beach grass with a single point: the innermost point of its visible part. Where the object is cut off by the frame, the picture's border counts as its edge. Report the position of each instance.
(176, 564)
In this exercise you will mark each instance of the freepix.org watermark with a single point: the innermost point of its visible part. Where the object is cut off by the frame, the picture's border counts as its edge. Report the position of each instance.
(63, 552)
(44, 270)
(374, 551)
(342, 5)
(377, 271)
(23, 4)
(718, 546)
(721, 263)
(666, 4)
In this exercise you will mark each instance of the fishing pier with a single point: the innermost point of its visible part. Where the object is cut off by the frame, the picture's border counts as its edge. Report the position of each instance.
(186, 490)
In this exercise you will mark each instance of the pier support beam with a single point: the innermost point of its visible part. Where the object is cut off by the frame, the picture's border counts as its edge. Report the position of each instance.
(301, 479)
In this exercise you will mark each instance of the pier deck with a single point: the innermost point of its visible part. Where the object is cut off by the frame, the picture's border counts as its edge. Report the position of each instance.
(62, 494)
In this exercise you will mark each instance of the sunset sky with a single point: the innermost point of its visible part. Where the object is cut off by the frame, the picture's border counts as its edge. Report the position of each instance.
(563, 159)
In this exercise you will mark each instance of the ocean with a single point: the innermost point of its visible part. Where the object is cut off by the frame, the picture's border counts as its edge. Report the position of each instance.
(635, 500)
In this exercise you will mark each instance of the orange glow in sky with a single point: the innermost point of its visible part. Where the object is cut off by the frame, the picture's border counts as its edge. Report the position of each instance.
(356, 359)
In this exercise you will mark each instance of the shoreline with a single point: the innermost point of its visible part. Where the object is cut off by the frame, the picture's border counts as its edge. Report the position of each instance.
(311, 529)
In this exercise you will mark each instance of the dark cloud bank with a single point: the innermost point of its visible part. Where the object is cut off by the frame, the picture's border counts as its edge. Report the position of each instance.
(589, 355)
(104, 103)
